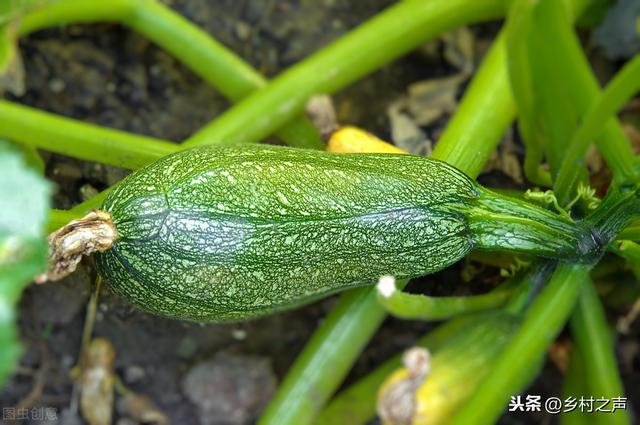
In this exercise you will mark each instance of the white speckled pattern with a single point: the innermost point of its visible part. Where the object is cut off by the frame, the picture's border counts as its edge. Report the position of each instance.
(232, 233)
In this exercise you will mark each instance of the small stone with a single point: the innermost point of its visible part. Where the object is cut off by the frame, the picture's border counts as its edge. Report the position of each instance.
(242, 30)
(134, 373)
(187, 347)
(87, 191)
(67, 171)
(238, 334)
(57, 85)
(230, 389)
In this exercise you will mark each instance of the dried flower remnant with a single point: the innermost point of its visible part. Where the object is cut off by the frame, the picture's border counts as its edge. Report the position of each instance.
(396, 402)
(94, 232)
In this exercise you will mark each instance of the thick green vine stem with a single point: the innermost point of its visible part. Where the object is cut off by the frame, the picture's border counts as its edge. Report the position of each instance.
(508, 223)
(502, 223)
(421, 307)
(575, 385)
(593, 340)
(78, 139)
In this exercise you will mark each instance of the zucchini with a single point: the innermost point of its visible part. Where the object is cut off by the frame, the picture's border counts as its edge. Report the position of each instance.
(231, 233)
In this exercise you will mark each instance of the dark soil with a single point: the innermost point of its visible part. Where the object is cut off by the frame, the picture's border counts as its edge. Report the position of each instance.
(108, 75)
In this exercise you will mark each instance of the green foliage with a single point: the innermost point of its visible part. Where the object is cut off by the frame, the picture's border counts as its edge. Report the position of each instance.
(554, 87)
(25, 204)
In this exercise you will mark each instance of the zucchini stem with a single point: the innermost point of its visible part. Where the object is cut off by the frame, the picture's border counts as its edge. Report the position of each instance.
(620, 207)
(422, 307)
(502, 223)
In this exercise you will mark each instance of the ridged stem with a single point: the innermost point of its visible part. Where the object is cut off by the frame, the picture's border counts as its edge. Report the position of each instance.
(509, 224)
(422, 307)
(78, 139)
(593, 339)
(575, 385)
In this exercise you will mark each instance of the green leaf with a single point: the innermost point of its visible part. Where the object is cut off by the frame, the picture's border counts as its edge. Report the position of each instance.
(23, 249)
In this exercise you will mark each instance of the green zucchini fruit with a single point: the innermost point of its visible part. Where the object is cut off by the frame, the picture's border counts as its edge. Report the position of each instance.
(231, 233)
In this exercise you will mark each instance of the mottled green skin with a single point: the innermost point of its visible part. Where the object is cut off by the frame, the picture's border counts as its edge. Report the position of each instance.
(232, 233)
